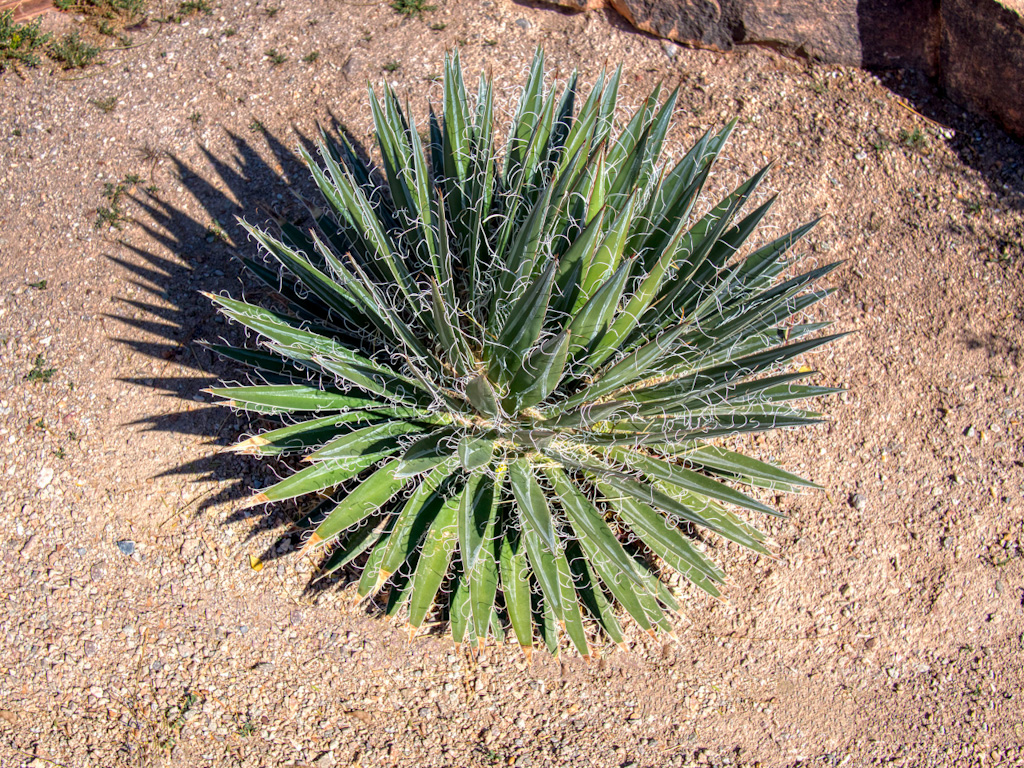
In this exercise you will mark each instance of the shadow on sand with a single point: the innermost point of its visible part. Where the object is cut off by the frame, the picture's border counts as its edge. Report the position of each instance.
(208, 247)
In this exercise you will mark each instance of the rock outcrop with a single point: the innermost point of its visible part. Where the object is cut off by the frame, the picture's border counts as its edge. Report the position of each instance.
(973, 48)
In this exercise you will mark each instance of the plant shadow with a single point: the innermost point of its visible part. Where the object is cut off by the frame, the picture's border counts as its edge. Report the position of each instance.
(205, 248)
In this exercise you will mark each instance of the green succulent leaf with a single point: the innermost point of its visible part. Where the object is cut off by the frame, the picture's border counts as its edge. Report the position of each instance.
(434, 561)
(417, 513)
(475, 452)
(515, 584)
(366, 498)
(426, 453)
(509, 370)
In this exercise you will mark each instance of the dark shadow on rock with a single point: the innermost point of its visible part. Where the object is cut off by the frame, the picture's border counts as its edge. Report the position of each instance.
(903, 35)
(901, 42)
(979, 143)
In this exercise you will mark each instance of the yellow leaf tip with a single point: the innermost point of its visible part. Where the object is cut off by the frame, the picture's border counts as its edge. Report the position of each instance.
(249, 446)
(259, 498)
(311, 542)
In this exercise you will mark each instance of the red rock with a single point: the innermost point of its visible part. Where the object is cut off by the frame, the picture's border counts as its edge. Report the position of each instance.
(26, 9)
(974, 48)
(709, 23)
(580, 5)
(822, 29)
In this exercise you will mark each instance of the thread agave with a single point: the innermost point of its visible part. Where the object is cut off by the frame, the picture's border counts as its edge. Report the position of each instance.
(516, 363)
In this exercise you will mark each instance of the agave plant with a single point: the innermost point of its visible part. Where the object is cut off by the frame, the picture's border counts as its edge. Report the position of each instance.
(510, 372)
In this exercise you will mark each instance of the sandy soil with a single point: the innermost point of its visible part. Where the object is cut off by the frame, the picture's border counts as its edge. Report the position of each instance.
(133, 629)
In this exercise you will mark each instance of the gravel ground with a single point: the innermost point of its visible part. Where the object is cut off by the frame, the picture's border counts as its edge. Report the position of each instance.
(134, 630)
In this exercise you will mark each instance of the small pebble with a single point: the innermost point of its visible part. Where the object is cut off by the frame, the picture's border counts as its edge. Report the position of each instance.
(127, 547)
(45, 478)
(858, 502)
(29, 546)
(523, 23)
